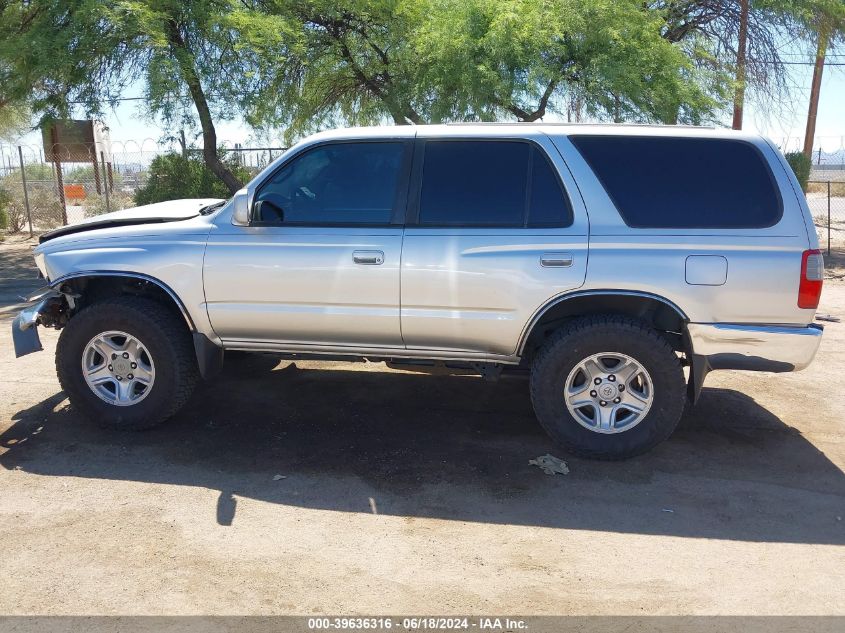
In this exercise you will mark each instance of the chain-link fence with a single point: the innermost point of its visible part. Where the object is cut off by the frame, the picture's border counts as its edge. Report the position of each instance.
(826, 200)
(38, 193)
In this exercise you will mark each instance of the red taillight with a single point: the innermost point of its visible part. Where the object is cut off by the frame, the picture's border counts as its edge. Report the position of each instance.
(812, 274)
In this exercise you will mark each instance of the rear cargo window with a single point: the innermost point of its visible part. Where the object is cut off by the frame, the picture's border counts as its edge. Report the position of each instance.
(684, 183)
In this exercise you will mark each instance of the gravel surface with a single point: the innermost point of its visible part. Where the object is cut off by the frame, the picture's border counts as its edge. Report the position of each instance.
(350, 488)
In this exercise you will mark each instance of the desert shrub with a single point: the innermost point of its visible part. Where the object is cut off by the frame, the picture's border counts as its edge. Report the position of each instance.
(4, 214)
(44, 204)
(173, 176)
(801, 165)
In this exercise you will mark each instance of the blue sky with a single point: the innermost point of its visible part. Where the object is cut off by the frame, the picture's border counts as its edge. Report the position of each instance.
(128, 126)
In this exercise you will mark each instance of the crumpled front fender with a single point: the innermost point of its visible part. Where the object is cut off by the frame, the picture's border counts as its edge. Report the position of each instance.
(25, 326)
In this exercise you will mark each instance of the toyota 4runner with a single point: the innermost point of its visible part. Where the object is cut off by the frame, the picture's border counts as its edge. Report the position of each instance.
(618, 265)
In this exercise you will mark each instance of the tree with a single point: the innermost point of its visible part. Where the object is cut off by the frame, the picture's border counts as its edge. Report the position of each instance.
(428, 61)
(173, 176)
(827, 20)
(741, 62)
(14, 120)
(197, 55)
(743, 37)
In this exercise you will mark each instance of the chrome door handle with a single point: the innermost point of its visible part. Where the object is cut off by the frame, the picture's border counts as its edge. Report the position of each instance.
(368, 258)
(556, 260)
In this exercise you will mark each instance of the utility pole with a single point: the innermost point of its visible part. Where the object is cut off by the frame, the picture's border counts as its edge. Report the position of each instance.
(815, 89)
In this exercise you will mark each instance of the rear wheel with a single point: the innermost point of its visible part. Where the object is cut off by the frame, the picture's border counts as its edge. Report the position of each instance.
(607, 387)
(126, 362)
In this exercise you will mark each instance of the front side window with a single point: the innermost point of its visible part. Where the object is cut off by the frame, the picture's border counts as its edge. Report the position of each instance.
(684, 183)
(336, 183)
(490, 183)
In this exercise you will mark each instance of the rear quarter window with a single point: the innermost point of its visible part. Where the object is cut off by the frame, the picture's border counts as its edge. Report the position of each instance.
(684, 183)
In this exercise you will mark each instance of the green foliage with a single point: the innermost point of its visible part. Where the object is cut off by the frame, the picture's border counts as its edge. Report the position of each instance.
(801, 165)
(44, 204)
(188, 56)
(428, 61)
(5, 200)
(310, 64)
(14, 120)
(172, 176)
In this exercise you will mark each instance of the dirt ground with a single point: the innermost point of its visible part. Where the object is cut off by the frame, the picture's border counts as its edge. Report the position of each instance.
(403, 493)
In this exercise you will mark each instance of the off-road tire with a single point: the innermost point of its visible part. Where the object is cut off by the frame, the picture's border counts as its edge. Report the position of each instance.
(583, 337)
(166, 337)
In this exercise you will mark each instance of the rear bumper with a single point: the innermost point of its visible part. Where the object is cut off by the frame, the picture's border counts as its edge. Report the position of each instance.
(776, 348)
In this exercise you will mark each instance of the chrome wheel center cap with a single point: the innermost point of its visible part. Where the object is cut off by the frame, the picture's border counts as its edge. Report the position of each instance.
(608, 391)
(122, 366)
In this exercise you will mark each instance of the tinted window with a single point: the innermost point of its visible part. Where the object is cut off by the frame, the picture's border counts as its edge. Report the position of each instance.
(337, 183)
(490, 183)
(474, 183)
(549, 205)
(684, 182)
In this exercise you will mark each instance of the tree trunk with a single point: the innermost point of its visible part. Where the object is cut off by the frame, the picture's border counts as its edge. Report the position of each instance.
(209, 133)
(815, 89)
(739, 95)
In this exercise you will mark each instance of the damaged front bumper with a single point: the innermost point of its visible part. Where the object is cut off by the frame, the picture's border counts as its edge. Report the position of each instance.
(25, 326)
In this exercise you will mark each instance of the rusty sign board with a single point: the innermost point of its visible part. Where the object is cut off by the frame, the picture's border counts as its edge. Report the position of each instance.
(76, 141)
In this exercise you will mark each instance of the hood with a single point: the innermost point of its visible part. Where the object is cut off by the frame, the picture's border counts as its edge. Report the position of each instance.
(170, 211)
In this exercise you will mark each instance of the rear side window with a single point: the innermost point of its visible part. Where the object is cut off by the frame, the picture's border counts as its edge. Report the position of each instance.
(490, 183)
(684, 183)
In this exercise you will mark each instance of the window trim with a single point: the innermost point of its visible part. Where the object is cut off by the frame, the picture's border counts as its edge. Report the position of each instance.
(646, 227)
(415, 191)
(399, 205)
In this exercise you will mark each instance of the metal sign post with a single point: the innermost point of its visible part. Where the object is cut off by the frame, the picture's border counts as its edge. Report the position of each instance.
(106, 188)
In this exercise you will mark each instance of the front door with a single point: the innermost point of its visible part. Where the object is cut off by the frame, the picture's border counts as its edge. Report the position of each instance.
(319, 263)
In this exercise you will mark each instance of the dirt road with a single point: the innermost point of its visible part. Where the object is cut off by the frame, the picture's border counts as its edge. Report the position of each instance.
(402, 493)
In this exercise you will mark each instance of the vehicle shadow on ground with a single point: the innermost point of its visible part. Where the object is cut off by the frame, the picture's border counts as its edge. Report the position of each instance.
(453, 448)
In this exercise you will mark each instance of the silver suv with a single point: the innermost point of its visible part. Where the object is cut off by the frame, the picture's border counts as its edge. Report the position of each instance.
(619, 265)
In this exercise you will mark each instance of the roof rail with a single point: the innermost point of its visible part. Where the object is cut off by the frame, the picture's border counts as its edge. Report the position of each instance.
(565, 124)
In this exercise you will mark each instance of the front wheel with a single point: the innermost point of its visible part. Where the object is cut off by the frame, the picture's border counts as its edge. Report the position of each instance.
(607, 387)
(126, 362)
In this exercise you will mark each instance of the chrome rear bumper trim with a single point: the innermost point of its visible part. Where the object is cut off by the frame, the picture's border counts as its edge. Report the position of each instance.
(777, 348)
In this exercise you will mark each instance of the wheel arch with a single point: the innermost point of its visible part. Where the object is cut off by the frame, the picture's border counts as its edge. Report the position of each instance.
(660, 312)
(88, 286)
(77, 283)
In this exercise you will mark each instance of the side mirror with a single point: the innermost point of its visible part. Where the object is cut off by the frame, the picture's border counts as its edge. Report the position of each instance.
(265, 211)
(240, 208)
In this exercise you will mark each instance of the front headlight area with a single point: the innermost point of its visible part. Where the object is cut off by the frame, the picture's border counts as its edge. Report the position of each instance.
(42, 268)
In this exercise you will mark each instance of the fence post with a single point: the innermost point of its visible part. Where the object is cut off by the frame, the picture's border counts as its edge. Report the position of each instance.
(57, 162)
(106, 188)
(25, 192)
(828, 218)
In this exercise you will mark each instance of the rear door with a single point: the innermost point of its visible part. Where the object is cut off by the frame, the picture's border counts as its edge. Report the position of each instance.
(495, 230)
